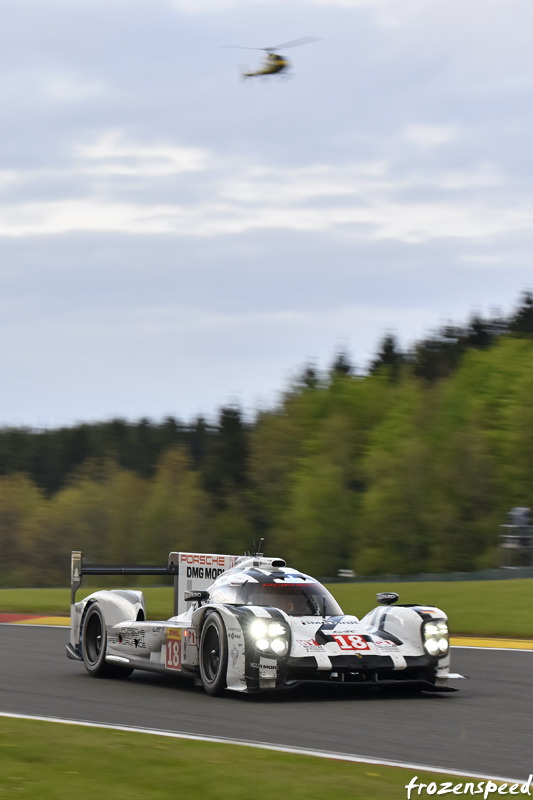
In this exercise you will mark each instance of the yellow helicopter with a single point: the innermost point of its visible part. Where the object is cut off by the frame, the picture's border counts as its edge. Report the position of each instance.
(274, 63)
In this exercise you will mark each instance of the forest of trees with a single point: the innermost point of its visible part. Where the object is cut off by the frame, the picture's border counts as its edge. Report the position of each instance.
(408, 468)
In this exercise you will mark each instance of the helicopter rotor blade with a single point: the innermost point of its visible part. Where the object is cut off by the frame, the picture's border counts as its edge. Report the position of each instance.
(284, 46)
(295, 43)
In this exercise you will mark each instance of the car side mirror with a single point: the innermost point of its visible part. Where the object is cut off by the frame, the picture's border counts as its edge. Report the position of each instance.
(387, 598)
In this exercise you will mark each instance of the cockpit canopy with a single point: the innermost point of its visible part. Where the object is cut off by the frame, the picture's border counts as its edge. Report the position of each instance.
(296, 594)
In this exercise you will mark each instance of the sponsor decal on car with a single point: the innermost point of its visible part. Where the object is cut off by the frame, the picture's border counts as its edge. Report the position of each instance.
(132, 637)
(268, 668)
(173, 650)
(293, 580)
(351, 642)
(203, 559)
(191, 638)
(311, 646)
(280, 583)
(234, 634)
(346, 631)
(385, 645)
(205, 573)
(346, 626)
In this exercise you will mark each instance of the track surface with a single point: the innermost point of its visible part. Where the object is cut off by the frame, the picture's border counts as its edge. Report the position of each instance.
(486, 727)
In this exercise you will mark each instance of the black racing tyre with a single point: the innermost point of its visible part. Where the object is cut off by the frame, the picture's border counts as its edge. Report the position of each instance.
(93, 646)
(213, 654)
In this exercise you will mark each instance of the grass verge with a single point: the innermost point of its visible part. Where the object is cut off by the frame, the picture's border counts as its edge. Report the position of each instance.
(159, 600)
(478, 608)
(51, 761)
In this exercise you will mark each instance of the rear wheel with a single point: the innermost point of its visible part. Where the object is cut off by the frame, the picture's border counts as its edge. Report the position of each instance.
(94, 640)
(213, 655)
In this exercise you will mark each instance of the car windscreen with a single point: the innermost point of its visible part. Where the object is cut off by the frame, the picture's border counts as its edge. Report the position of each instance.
(296, 599)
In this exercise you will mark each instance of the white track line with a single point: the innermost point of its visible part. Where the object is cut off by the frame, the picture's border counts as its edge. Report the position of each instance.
(300, 751)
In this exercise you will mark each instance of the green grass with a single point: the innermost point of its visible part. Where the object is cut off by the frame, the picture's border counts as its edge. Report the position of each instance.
(51, 761)
(482, 608)
(159, 600)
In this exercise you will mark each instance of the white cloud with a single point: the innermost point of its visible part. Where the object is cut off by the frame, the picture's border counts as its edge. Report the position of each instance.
(306, 184)
(112, 154)
(429, 136)
(378, 218)
(215, 196)
(9, 178)
(432, 221)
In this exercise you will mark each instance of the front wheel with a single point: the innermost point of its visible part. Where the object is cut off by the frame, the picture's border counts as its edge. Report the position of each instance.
(93, 644)
(213, 655)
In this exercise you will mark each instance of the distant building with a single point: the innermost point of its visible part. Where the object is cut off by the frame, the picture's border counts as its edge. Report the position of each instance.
(516, 539)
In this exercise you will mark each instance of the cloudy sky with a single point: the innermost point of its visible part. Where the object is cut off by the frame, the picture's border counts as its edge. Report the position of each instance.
(173, 239)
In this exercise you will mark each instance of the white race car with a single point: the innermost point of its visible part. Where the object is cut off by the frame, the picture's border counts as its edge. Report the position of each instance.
(252, 623)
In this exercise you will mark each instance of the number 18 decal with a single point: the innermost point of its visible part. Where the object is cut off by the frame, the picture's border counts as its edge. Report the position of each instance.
(173, 648)
(350, 641)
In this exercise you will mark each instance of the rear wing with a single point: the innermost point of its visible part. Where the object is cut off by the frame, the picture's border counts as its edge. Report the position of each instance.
(191, 572)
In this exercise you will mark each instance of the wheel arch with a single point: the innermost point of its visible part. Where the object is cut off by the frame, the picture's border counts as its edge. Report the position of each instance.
(235, 640)
(117, 605)
(94, 655)
(403, 621)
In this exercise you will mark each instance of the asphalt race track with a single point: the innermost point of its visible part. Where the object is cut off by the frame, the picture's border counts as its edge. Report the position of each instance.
(486, 727)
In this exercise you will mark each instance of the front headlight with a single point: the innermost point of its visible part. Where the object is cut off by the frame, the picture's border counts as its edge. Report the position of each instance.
(432, 647)
(270, 636)
(258, 629)
(275, 629)
(436, 637)
(280, 646)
